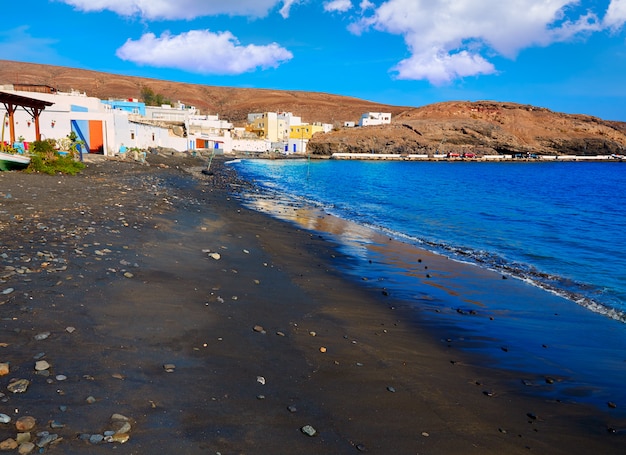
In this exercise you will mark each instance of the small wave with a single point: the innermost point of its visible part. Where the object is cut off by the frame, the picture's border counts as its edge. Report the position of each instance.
(269, 198)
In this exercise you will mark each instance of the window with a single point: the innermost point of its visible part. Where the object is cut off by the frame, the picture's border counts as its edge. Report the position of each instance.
(132, 135)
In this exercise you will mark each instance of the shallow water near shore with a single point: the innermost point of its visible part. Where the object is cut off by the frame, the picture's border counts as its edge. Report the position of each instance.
(441, 236)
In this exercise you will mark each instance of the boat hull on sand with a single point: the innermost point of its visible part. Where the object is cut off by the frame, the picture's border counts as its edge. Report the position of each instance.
(11, 162)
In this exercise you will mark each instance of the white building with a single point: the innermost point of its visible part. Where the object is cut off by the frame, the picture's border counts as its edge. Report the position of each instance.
(375, 118)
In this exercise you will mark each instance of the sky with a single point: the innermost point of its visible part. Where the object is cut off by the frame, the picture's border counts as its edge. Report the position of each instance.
(565, 55)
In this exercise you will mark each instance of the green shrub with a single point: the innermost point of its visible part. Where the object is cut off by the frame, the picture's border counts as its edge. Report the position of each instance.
(45, 159)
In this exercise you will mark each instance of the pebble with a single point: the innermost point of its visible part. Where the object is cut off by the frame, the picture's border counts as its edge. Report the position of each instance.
(120, 437)
(292, 408)
(18, 386)
(169, 367)
(70, 329)
(42, 336)
(61, 377)
(8, 291)
(128, 275)
(259, 329)
(25, 423)
(46, 439)
(4, 369)
(41, 365)
(96, 439)
(308, 430)
(8, 444)
(260, 380)
(4, 418)
(391, 389)
(323, 349)
(90, 399)
(26, 448)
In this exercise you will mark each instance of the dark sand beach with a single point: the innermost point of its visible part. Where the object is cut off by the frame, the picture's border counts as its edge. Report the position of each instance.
(111, 277)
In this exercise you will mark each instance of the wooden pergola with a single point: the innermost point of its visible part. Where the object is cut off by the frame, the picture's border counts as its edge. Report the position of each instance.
(31, 105)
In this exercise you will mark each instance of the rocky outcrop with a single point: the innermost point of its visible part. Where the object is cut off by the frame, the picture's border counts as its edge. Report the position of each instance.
(482, 128)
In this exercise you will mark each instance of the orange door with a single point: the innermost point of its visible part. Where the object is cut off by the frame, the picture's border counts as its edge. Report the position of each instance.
(96, 139)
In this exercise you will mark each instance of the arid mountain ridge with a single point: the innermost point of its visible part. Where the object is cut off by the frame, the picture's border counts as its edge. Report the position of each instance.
(481, 127)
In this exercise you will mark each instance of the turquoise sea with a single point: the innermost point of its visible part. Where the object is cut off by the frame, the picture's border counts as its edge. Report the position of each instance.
(559, 227)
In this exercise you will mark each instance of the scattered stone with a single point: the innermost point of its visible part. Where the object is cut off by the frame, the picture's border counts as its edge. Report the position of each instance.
(7, 291)
(260, 397)
(96, 439)
(169, 367)
(18, 386)
(8, 444)
(4, 418)
(55, 424)
(260, 380)
(25, 423)
(308, 430)
(26, 448)
(128, 275)
(90, 399)
(292, 408)
(70, 329)
(259, 329)
(60, 377)
(425, 434)
(280, 334)
(611, 405)
(322, 349)
(4, 368)
(391, 389)
(41, 365)
(47, 439)
(120, 437)
(312, 333)
(42, 336)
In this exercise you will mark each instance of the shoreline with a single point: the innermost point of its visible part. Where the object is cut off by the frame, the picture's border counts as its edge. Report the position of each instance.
(384, 383)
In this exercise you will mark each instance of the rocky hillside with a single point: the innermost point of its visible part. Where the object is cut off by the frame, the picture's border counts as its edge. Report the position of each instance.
(232, 104)
(482, 128)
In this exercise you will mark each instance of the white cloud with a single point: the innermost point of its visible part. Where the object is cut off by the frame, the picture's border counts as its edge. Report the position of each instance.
(183, 9)
(202, 51)
(616, 14)
(340, 6)
(365, 5)
(449, 39)
(287, 4)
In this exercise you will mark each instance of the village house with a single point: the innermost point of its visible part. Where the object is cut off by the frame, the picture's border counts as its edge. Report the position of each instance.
(375, 118)
(111, 127)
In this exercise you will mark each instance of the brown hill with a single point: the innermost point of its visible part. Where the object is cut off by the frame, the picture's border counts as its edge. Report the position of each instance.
(482, 128)
(232, 104)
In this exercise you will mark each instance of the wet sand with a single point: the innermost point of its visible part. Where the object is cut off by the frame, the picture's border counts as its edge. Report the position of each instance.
(270, 337)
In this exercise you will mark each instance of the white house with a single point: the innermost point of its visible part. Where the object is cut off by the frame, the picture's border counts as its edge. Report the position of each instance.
(375, 118)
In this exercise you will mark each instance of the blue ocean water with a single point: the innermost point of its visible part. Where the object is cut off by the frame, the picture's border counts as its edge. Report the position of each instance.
(558, 225)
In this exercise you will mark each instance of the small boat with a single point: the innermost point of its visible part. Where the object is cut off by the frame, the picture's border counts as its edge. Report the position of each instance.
(12, 162)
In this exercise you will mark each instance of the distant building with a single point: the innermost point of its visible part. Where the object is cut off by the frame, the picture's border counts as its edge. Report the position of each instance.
(300, 135)
(272, 126)
(375, 118)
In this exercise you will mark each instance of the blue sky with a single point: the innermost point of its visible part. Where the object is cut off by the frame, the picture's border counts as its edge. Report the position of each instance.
(567, 56)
